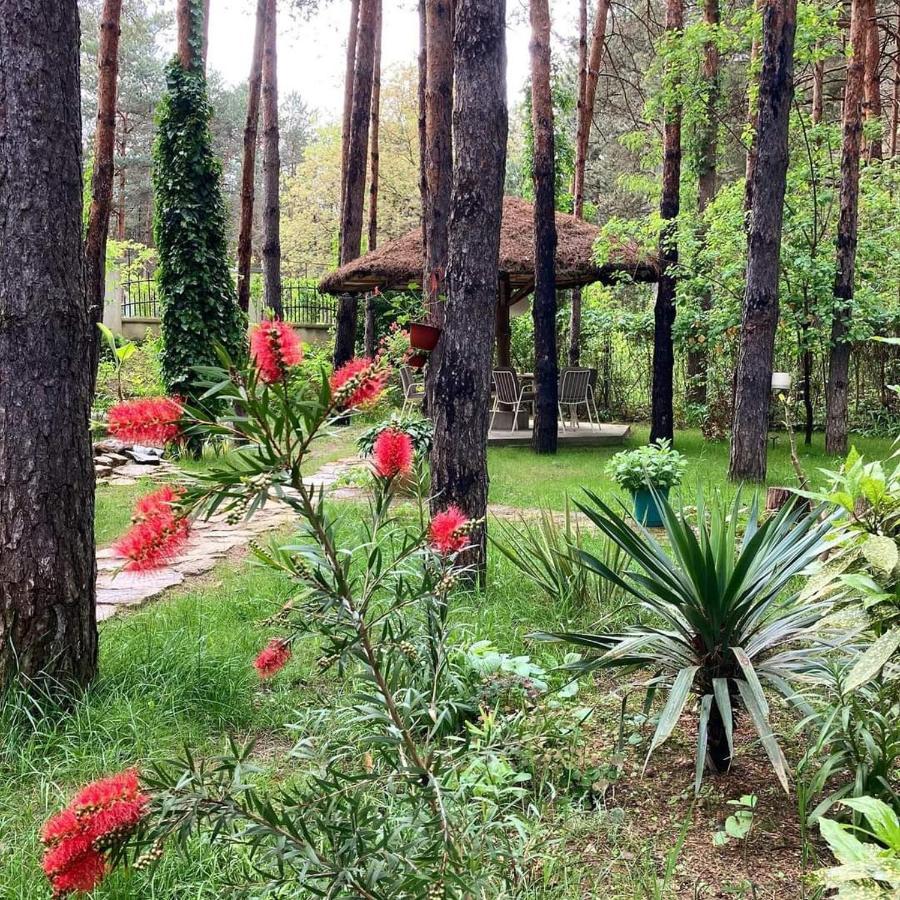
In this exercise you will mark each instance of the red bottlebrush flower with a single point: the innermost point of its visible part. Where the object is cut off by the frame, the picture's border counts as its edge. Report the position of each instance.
(448, 532)
(151, 420)
(272, 658)
(75, 865)
(101, 815)
(63, 825)
(150, 543)
(106, 791)
(275, 347)
(160, 501)
(359, 383)
(393, 453)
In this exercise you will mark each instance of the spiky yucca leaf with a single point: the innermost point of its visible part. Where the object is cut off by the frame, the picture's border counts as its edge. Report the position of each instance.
(730, 620)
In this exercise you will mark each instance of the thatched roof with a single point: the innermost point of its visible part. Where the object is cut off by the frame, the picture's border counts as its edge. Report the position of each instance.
(398, 264)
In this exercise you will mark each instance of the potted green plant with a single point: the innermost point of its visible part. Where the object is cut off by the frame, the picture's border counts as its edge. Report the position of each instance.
(648, 473)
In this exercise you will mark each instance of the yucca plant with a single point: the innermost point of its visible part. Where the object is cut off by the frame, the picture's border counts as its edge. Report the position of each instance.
(727, 611)
(542, 550)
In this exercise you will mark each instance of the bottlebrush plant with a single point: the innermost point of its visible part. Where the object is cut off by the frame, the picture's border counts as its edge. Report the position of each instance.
(399, 821)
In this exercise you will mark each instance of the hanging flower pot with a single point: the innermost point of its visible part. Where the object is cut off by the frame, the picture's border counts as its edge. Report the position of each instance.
(417, 360)
(423, 336)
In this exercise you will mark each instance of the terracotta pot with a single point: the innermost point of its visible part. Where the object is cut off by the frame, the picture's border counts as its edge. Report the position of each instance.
(422, 336)
(417, 360)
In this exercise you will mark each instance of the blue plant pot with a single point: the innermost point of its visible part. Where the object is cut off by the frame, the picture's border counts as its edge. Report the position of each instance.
(646, 509)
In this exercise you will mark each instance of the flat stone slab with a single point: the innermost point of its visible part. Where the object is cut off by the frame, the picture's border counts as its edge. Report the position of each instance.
(209, 543)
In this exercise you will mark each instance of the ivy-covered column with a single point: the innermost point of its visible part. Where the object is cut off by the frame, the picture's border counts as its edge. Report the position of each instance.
(199, 303)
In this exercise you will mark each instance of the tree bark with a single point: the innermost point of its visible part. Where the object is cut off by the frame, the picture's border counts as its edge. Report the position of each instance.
(352, 35)
(543, 307)
(47, 568)
(589, 73)
(760, 312)
(752, 120)
(504, 332)
(586, 109)
(185, 13)
(707, 183)
(462, 385)
(836, 390)
(818, 91)
(248, 170)
(895, 117)
(871, 78)
(438, 151)
(438, 162)
(662, 425)
(357, 157)
(103, 171)
(422, 63)
(369, 336)
(271, 165)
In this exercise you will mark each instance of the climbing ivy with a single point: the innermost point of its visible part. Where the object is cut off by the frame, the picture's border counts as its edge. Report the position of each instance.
(199, 305)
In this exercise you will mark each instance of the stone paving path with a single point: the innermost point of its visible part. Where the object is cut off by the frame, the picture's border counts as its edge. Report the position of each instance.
(209, 542)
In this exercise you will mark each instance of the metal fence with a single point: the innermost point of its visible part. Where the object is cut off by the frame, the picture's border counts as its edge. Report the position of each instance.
(303, 304)
(140, 299)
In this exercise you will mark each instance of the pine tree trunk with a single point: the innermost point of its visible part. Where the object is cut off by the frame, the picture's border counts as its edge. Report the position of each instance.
(836, 391)
(752, 119)
(104, 169)
(461, 400)
(706, 189)
(760, 313)
(438, 150)
(271, 165)
(895, 116)
(543, 307)
(422, 64)
(662, 424)
(369, 336)
(352, 36)
(355, 182)
(184, 15)
(47, 566)
(872, 79)
(123, 173)
(504, 331)
(438, 162)
(589, 73)
(248, 170)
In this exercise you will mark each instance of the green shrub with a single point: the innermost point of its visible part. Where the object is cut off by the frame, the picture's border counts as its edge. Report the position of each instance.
(199, 304)
(656, 466)
(728, 617)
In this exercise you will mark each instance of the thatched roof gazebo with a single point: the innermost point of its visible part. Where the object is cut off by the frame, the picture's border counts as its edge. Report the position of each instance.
(397, 265)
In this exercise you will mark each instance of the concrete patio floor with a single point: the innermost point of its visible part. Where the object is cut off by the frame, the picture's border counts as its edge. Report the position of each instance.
(586, 435)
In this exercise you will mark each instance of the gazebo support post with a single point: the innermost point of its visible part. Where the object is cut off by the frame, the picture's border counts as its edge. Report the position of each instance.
(504, 331)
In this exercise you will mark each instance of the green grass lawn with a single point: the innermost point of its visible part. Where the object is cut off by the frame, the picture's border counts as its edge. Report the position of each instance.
(114, 502)
(178, 673)
(520, 478)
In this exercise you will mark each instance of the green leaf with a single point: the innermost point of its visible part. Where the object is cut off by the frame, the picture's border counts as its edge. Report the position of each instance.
(883, 821)
(881, 552)
(872, 661)
(671, 713)
(845, 847)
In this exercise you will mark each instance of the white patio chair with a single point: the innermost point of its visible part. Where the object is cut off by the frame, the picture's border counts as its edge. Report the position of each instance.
(413, 391)
(574, 391)
(509, 393)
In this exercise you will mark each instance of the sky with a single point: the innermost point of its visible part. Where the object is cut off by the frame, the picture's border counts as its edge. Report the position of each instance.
(311, 52)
